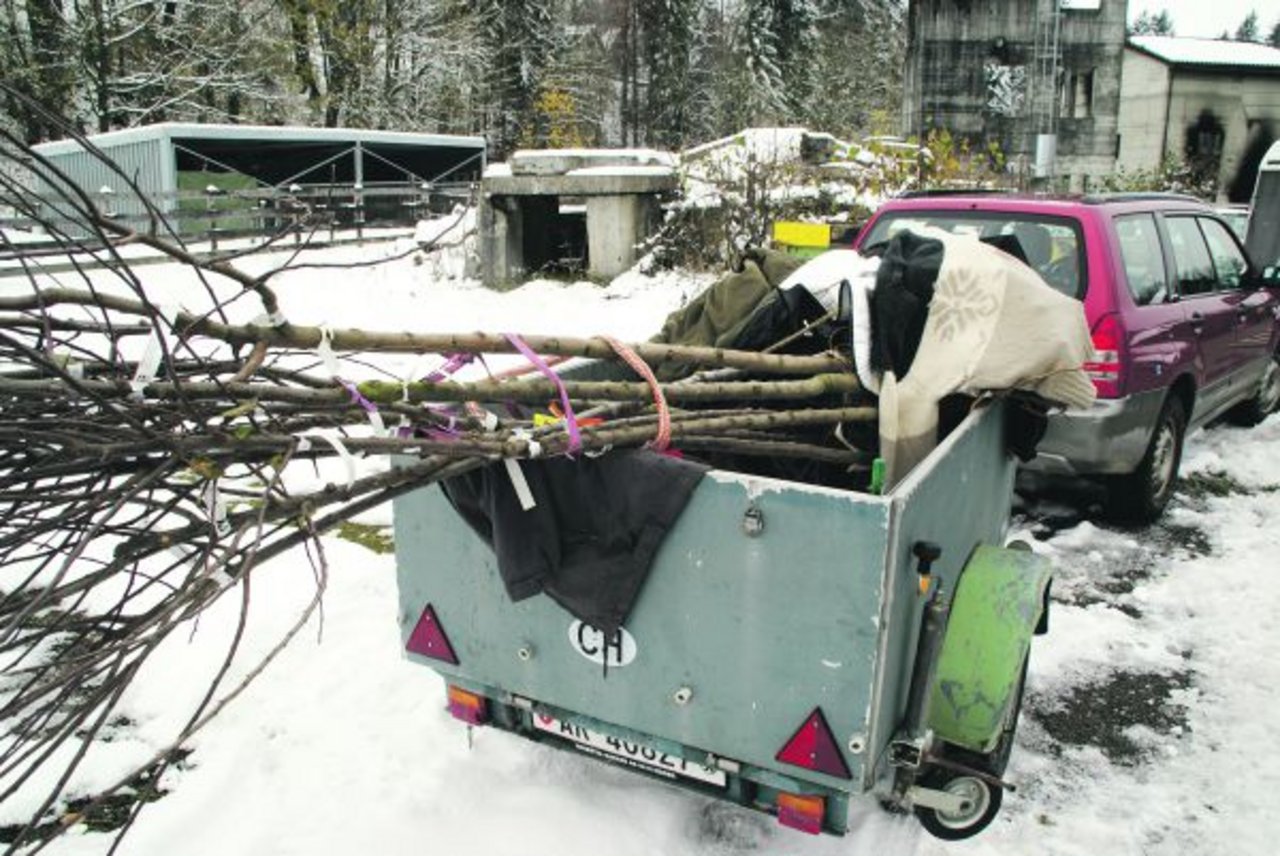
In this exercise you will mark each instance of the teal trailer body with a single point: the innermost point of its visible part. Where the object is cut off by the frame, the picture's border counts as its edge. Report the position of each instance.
(778, 625)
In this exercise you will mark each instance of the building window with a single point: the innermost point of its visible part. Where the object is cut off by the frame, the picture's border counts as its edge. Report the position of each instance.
(1077, 95)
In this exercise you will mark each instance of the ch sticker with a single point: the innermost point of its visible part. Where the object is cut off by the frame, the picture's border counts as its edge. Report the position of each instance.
(617, 649)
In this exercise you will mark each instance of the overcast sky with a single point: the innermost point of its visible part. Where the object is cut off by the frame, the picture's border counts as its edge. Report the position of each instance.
(1208, 18)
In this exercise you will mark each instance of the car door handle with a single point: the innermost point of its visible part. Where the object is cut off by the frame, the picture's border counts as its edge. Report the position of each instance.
(1197, 323)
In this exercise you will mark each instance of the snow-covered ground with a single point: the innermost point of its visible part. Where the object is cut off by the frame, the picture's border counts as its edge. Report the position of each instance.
(1149, 710)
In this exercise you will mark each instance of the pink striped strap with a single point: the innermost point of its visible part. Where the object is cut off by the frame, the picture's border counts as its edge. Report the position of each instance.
(631, 358)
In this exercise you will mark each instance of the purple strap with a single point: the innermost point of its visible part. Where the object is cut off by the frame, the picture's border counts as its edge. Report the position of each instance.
(452, 363)
(357, 398)
(570, 421)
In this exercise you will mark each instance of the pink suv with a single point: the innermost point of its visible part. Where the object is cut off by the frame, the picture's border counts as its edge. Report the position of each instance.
(1184, 328)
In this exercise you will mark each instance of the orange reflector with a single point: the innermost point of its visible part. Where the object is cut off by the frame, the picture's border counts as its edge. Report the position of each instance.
(801, 812)
(471, 708)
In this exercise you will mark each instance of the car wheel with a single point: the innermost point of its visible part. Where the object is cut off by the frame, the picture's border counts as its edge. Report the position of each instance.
(1140, 496)
(1265, 399)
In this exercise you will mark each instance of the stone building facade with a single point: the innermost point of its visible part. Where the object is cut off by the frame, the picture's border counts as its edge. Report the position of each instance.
(1039, 77)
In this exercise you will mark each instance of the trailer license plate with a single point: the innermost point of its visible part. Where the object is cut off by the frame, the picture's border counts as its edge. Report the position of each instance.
(627, 753)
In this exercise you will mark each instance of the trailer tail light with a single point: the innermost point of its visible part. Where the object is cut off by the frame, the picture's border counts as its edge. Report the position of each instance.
(471, 708)
(1104, 369)
(813, 748)
(801, 812)
(428, 639)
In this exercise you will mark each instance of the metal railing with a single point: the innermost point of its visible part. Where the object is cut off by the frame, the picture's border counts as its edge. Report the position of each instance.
(216, 214)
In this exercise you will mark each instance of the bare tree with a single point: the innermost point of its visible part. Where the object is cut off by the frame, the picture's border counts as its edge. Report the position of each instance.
(137, 491)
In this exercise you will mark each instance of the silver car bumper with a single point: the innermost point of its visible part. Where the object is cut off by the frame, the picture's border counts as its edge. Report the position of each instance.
(1108, 438)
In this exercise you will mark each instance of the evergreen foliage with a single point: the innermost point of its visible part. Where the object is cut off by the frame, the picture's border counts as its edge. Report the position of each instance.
(1248, 29)
(1147, 24)
(669, 73)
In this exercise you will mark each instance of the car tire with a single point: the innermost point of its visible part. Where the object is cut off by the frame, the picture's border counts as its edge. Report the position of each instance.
(1265, 400)
(1141, 496)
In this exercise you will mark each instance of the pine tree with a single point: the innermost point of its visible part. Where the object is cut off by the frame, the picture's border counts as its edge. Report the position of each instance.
(520, 38)
(759, 47)
(672, 48)
(1274, 38)
(37, 57)
(861, 49)
(795, 22)
(1248, 29)
(1147, 24)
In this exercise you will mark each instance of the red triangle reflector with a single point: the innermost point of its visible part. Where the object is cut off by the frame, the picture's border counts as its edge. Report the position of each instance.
(813, 748)
(429, 640)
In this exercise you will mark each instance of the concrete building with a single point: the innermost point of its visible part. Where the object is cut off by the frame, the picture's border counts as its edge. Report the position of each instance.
(1039, 77)
(1214, 104)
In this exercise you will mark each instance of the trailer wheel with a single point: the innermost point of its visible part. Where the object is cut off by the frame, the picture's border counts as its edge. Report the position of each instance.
(981, 804)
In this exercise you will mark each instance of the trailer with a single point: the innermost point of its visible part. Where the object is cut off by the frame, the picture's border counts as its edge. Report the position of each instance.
(794, 646)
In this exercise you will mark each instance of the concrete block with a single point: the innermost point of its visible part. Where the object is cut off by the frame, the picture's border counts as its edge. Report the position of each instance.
(615, 226)
(560, 161)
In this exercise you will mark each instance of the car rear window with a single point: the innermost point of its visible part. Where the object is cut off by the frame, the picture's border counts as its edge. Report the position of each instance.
(1053, 246)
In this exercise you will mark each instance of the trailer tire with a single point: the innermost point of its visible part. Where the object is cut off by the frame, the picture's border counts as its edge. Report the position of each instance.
(983, 804)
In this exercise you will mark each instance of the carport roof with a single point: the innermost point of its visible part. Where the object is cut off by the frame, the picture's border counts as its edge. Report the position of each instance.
(263, 133)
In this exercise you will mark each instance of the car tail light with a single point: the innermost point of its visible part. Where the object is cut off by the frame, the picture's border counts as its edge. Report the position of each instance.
(471, 708)
(1104, 368)
(428, 639)
(813, 748)
(801, 812)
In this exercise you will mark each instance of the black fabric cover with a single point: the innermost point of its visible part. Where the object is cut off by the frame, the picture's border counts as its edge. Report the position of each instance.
(900, 302)
(590, 539)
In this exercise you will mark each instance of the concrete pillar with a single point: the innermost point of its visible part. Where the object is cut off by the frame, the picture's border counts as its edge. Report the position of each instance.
(615, 225)
(501, 241)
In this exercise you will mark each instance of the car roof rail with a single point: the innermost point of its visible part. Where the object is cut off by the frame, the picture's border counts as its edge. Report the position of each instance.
(954, 191)
(1140, 196)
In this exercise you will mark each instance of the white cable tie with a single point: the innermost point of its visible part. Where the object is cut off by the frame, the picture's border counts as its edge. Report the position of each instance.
(519, 483)
(153, 353)
(346, 456)
(379, 427)
(216, 507)
(148, 365)
(325, 351)
(304, 444)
